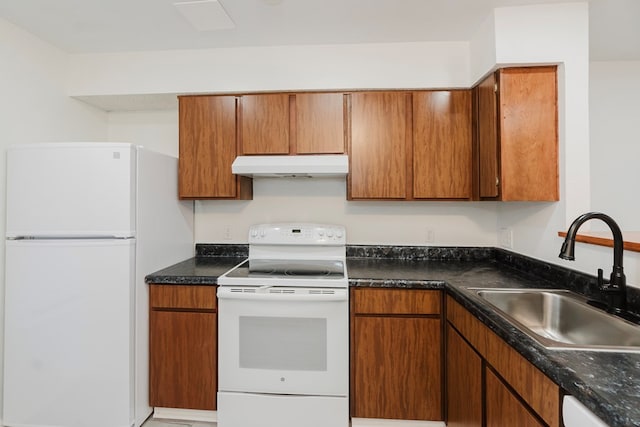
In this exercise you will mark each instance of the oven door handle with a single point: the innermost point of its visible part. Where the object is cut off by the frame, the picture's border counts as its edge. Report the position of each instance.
(341, 295)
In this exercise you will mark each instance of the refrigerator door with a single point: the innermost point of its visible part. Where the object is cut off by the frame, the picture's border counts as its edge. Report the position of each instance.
(73, 189)
(69, 333)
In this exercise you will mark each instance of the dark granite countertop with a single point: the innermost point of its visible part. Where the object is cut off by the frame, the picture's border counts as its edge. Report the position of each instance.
(608, 383)
(194, 271)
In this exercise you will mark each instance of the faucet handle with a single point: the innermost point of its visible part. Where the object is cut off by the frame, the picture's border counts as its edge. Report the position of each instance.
(601, 281)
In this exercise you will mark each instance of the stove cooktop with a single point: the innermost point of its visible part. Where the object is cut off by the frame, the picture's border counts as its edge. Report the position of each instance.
(288, 269)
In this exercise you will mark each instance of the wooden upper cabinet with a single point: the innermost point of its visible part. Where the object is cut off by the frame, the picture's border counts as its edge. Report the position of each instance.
(526, 135)
(529, 133)
(264, 123)
(319, 123)
(208, 146)
(442, 144)
(380, 149)
(487, 122)
(302, 123)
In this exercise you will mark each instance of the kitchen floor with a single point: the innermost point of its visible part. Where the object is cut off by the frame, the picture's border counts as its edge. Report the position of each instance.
(357, 422)
(155, 422)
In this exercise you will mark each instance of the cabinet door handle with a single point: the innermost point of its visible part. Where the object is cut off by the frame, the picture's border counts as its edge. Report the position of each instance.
(497, 181)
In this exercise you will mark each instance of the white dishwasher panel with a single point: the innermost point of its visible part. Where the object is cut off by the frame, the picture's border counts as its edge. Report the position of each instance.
(575, 414)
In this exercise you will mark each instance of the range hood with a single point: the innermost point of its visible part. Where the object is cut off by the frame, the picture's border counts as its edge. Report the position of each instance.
(303, 166)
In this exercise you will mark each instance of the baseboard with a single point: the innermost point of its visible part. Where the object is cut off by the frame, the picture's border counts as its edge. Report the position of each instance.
(377, 422)
(185, 414)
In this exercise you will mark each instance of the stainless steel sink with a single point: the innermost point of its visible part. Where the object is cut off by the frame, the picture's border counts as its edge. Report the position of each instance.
(560, 319)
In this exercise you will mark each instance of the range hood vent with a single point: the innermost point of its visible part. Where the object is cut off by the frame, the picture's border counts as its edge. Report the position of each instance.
(296, 166)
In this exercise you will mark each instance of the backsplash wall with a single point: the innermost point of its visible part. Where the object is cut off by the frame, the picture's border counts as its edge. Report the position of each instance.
(367, 222)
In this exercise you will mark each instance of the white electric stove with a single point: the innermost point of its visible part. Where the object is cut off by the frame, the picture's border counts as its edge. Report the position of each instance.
(283, 330)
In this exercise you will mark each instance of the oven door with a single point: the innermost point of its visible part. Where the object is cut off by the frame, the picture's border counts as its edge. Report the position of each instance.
(283, 340)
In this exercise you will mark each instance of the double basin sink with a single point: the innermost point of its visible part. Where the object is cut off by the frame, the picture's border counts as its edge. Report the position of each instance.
(563, 320)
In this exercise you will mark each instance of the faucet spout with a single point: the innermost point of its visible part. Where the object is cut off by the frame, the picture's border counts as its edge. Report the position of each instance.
(615, 288)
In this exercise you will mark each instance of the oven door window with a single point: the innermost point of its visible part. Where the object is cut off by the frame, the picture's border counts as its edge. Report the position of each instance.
(283, 343)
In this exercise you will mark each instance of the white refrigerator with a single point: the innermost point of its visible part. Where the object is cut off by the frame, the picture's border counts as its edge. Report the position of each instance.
(85, 223)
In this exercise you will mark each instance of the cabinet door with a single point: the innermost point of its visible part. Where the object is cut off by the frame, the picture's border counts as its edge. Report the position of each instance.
(504, 409)
(380, 152)
(264, 123)
(319, 123)
(541, 395)
(442, 145)
(487, 134)
(528, 133)
(183, 368)
(207, 147)
(397, 368)
(464, 383)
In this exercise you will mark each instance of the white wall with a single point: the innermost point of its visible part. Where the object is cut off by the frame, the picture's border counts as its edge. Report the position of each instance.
(551, 34)
(34, 107)
(615, 141)
(156, 130)
(585, 168)
(367, 222)
(615, 149)
(482, 50)
(382, 65)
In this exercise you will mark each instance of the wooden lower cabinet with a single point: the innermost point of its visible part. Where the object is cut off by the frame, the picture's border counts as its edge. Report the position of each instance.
(504, 409)
(513, 391)
(396, 354)
(183, 347)
(464, 383)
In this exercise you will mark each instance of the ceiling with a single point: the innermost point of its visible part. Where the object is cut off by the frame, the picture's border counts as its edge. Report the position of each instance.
(92, 26)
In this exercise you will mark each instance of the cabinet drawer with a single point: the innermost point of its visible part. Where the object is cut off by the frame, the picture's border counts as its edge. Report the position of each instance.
(396, 301)
(184, 297)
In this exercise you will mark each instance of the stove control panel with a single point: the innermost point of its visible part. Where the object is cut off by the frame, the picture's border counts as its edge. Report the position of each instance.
(297, 234)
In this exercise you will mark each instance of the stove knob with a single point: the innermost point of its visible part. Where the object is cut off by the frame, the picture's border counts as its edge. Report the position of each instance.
(263, 232)
(339, 234)
(329, 233)
(254, 233)
(321, 233)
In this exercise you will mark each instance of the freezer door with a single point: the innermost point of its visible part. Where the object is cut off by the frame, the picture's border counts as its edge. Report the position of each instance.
(69, 333)
(81, 189)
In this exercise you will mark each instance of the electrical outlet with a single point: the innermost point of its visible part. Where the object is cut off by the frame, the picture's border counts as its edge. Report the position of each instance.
(226, 233)
(505, 237)
(430, 235)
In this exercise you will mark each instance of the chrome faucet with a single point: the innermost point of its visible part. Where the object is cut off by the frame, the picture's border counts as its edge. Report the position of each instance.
(615, 289)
